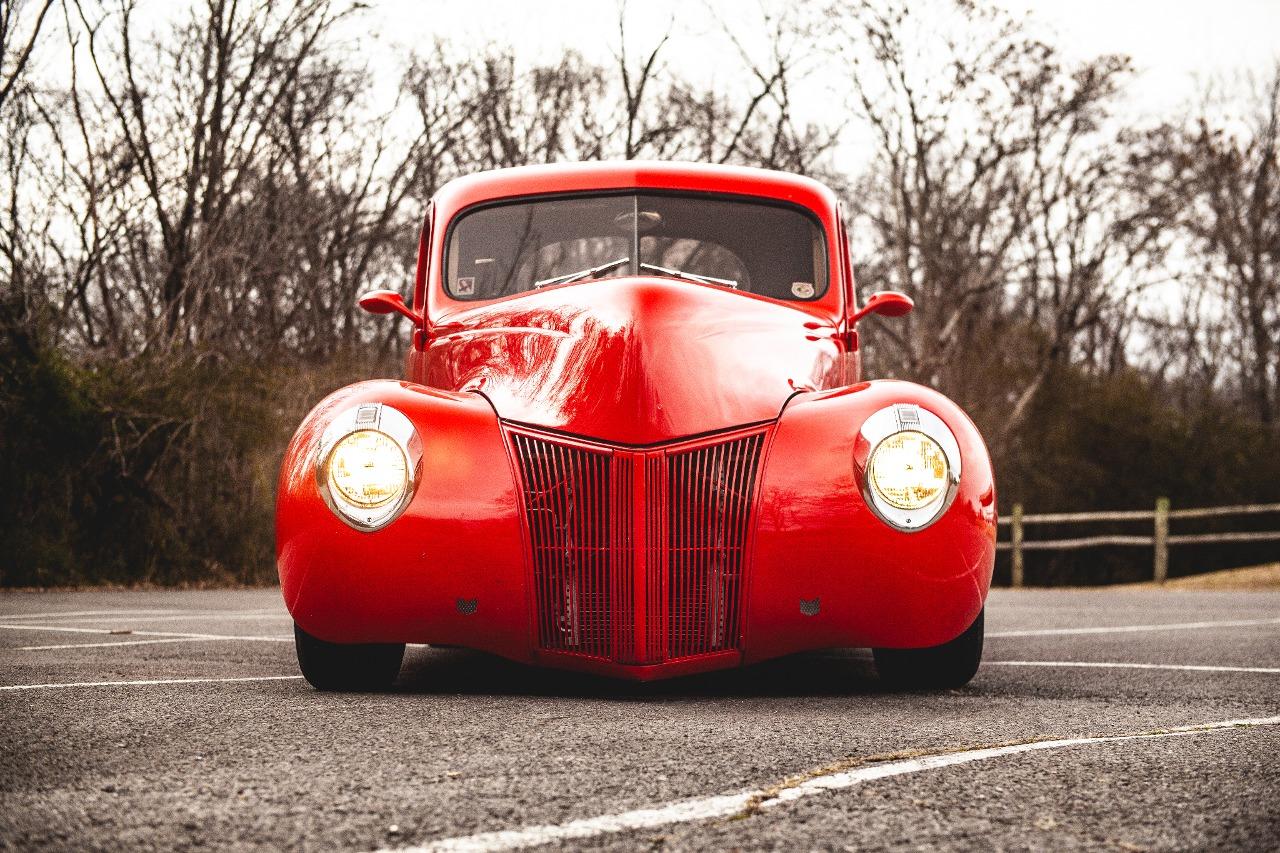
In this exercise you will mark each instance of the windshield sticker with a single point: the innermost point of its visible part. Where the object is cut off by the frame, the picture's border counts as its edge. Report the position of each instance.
(802, 289)
(465, 286)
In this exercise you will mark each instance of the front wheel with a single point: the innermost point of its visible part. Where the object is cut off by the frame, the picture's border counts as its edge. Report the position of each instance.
(948, 665)
(347, 666)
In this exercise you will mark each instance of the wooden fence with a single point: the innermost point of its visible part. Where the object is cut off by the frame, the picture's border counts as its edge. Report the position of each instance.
(1159, 540)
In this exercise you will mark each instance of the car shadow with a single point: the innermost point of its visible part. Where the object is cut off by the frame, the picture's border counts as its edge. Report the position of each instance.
(439, 670)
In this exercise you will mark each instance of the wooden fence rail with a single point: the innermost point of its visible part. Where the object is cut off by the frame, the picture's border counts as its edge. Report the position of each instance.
(1159, 540)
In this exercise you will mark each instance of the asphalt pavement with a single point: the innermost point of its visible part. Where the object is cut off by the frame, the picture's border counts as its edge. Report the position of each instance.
(1116, 720)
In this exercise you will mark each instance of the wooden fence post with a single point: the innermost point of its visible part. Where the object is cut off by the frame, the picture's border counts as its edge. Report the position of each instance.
(1015, 537)
(1162, 540)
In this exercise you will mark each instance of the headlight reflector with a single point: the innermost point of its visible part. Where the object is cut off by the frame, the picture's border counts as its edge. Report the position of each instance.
(908, 470)
(368, 469)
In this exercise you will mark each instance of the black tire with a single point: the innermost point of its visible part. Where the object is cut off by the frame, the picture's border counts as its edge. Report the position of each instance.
(348, 667)
(951, 664)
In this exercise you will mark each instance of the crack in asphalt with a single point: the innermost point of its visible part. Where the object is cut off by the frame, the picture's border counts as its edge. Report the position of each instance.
(758, 801)
(726, 808)
(775, 794)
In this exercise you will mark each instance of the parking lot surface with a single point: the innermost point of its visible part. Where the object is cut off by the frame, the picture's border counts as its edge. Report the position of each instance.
(1123, 720)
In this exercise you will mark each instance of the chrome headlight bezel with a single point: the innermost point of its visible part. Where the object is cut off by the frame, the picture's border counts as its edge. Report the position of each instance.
(393, 424)
(889, 421)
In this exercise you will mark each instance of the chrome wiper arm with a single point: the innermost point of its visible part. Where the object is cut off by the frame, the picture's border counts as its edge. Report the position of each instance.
(574, 276)
(691, 276)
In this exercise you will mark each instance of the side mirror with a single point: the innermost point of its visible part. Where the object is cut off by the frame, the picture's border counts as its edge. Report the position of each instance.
(888, 303)
(389, 302)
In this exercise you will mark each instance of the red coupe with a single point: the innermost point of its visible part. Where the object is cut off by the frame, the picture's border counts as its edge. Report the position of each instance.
(633, 439)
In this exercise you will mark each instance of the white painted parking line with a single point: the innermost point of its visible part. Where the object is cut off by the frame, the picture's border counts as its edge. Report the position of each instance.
(846, 779)
(150, 682)
(1123, 665)
(107, 645)
(727, 805)
(63, 614)
(193, 615)
(188, 635)
(1130, 629)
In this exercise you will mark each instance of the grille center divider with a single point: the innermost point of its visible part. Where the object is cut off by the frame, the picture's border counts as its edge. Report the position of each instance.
(638, 555)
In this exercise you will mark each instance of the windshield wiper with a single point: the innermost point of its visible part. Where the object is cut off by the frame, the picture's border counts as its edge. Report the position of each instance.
(574, 276)
(691, 276)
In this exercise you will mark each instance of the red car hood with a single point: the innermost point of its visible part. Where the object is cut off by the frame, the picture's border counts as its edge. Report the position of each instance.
(633, 361)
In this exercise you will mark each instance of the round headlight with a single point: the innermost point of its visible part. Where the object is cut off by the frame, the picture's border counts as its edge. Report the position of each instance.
(368, 469)
(367, 465)
(908, 470)
(911, 471)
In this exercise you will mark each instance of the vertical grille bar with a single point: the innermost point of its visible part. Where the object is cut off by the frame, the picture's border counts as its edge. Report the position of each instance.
(622, 560)
(655, 547)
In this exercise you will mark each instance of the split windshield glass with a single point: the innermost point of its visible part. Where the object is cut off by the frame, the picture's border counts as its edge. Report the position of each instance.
(772, 250)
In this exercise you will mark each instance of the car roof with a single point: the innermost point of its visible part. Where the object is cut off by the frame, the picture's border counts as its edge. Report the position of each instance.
(462, 193)
(633, 174)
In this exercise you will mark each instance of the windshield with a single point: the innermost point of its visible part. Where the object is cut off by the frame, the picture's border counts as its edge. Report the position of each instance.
(773, 250)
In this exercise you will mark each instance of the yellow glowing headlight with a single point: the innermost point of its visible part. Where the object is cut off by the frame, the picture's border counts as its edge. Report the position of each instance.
(367, 468)
(908, 470)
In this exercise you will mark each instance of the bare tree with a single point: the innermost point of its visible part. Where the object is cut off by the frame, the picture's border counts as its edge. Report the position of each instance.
(19, 127)
(218, 186)
(15, 47)
(1089, 248)
(193, 149)
(483, 110)
(994, 198)
(1219, 182)
(762, 124)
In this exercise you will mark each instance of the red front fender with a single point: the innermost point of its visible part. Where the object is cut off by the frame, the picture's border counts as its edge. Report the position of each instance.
(449, 569)
(816, 540)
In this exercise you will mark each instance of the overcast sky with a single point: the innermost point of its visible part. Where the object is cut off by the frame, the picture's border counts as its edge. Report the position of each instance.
(1171, 41)
(1175, 44)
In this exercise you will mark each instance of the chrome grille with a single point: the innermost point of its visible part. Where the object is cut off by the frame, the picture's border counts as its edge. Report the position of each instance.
(638, 555)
